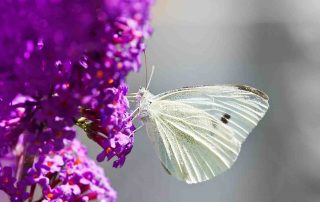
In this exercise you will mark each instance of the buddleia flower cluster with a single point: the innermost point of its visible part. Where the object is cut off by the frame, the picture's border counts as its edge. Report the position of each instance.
(64, 63)
(64, 175)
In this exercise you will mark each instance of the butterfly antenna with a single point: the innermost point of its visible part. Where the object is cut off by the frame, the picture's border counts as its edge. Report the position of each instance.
(151, 75)
(146, 65)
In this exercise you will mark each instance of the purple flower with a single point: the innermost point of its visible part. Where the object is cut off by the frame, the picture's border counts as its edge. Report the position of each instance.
(64, 58)
(63, 62)
(16, 191)
(19, 193)
(6, 179)
(70, 175)
(111, 127)
(67, 175)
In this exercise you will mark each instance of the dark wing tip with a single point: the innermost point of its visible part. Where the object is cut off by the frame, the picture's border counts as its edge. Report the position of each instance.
(196, 86)
(253, 90)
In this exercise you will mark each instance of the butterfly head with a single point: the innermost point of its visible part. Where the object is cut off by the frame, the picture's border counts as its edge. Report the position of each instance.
(142, 91)
(144, 99)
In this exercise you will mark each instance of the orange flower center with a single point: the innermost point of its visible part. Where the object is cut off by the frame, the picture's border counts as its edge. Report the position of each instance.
(50, 196)
(49, 163)
(77, 161)
(59, 134)
(114, 103)
(99, 74)
(110, 81)
(119, 65)
(108, 150)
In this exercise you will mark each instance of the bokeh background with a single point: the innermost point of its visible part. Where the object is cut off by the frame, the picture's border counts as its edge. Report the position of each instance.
(271, 45)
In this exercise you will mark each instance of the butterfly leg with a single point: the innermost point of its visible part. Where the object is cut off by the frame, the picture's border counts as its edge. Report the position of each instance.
(137, 129)
(130, 98)
(133, 115)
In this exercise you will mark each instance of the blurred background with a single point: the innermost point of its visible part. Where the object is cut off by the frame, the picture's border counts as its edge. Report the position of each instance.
(271, 45)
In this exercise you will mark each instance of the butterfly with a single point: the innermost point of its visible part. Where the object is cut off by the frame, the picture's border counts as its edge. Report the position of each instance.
(197, 132)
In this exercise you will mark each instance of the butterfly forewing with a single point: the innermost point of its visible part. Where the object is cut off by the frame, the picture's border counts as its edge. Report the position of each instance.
(239, 107)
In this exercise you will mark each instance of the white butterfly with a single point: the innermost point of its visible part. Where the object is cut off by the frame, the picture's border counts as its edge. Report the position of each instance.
(198, 131)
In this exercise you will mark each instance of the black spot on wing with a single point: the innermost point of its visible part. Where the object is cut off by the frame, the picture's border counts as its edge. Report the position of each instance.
(224, 120)
(227, 116)
(253, 90)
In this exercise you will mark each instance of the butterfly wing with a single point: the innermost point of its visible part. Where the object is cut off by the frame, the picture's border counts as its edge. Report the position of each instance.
(239, 107)
(192, 145)
(198, 131)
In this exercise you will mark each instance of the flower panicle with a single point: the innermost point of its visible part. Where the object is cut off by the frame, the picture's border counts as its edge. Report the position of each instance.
(65, 61)
(67, 175)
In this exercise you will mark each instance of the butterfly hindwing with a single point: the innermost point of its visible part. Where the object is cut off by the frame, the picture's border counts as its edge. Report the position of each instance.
(192, 145)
